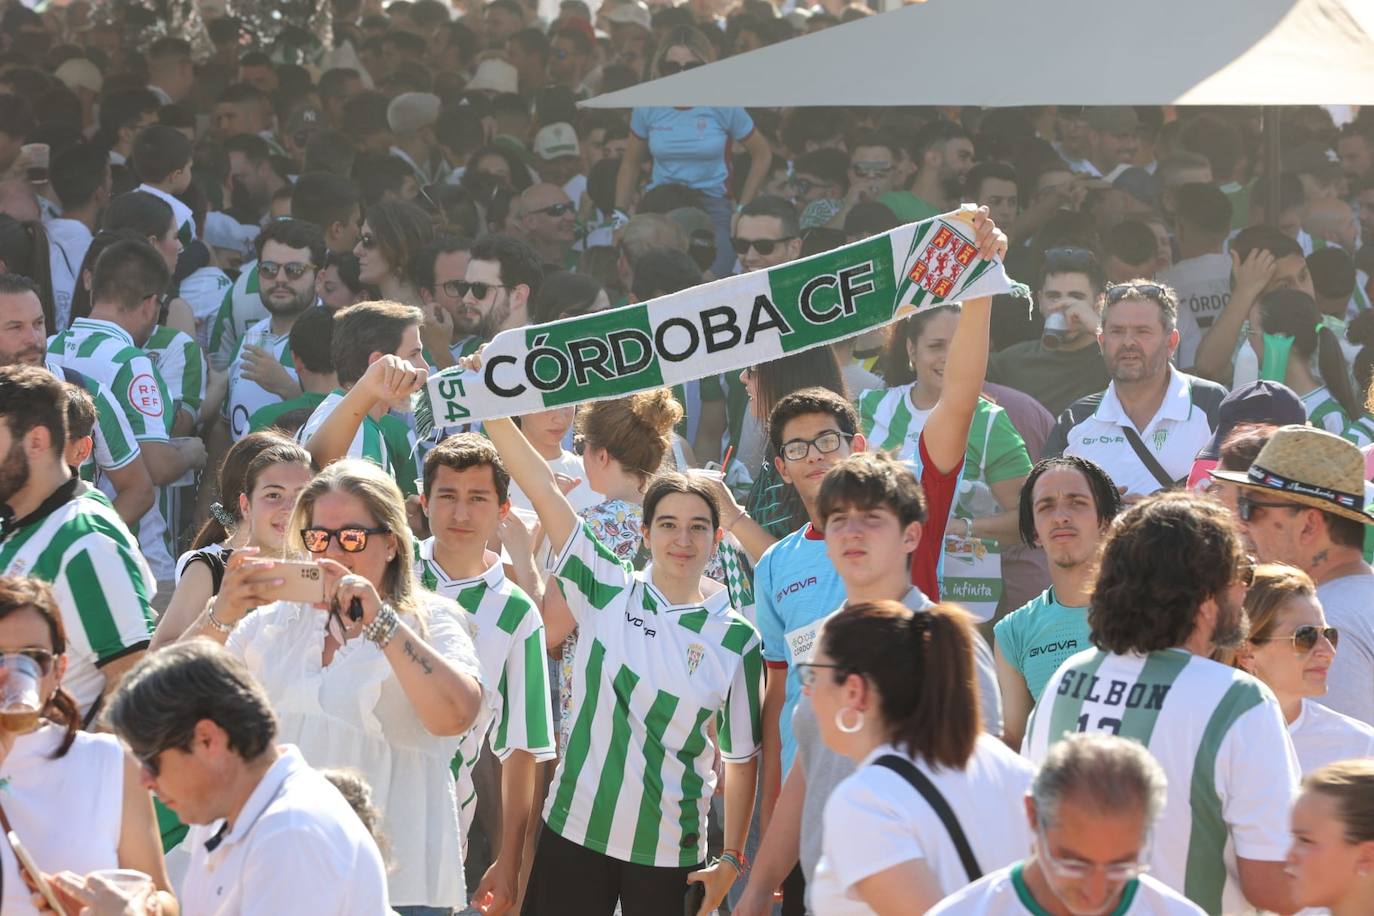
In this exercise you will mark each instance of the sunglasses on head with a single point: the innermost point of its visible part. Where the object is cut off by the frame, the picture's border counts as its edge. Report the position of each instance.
(1305, 637)
(351, 540)
(1068, 256)
(762, 246)
(669, 67)
(294, 271)
(458, 289)
(555, 210)
(1119, 291)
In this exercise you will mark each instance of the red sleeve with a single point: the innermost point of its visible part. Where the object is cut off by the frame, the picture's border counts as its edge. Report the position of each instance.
(940, 490)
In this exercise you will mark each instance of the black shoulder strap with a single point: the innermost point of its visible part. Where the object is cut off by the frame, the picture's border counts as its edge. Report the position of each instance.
(1151, 463)
(921, 783)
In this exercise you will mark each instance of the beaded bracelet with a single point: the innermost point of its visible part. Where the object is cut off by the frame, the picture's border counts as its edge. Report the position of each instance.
(383, 627)
(735, 859)
(218, 624)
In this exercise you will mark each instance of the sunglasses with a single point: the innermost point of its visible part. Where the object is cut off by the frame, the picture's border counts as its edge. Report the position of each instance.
(762, 246)
(150, 761)
(807, 672)
(1121, 291)
(40, 657)
(554, 210)
(351, 540)
(825, 443)
(368, 241)
(294, 271)
(870, 169)
(458, 289)
(1305, 637)
(669, 67)
(1245, 508)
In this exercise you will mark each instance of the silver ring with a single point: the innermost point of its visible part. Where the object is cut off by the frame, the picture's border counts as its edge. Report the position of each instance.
(353, 580)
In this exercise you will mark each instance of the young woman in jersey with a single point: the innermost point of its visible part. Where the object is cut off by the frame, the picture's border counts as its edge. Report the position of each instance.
(996, 463)
(264, 493)
(389, 693)
(1331, 862)
(660, 654)
(1290, 648)
(1289, 339)
(73, 798)
(892, 687)
(691, 146)
(393, 234)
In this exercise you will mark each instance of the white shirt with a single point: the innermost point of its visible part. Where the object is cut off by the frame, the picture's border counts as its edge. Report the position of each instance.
(569, 464)
(354, 713)
(68, 240)
(185, 221)
(1203, 285)
(246, 396)
(1004, 893)
(875, 820)
(67, 812)
(1322, 736)
(297, 847)
(1349, 605)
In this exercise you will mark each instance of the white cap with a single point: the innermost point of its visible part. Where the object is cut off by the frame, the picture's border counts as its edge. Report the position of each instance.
(411, 111)
(495, 76)
(556, 140)
(632, 14)
(79, 73)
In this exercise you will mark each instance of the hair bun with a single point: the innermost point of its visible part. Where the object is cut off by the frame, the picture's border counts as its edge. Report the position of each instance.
(656, 409)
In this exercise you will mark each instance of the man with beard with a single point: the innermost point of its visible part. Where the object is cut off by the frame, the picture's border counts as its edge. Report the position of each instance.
(1168, 594)
(56, 528)
(942, 154)
(503, 275)
(1147, 427)
(1301, 503)
(290, 252)
(1067, 505)
(23, 341)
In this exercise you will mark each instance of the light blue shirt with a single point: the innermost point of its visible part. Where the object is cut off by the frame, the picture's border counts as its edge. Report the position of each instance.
(691, 146)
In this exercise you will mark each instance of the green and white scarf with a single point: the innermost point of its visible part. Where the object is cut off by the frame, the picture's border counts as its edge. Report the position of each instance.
(718, 327)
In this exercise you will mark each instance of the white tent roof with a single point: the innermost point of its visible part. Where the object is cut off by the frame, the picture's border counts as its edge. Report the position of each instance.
(1032, 52)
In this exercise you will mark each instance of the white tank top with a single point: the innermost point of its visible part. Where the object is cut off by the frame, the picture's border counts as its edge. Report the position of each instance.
(66, 812)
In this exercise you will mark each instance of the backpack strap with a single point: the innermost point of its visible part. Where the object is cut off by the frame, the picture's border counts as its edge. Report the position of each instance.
(921, 783)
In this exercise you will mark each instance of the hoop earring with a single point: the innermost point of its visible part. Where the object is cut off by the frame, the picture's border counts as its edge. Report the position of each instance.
(849, 729)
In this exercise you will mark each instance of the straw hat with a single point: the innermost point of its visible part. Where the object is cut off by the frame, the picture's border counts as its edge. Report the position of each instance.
(1308, 466)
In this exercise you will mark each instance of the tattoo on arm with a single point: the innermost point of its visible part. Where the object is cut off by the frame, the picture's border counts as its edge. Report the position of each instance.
(417, 658)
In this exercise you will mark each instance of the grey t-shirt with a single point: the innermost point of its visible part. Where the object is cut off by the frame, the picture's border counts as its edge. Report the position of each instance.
(1349, 606)
(824, 769)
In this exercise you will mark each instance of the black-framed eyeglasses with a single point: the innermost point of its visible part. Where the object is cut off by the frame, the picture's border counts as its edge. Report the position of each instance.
(554, 210)
(367, 240)
(1305, 637)
(1245, 507)
(294, 271)
(351, 540)
(458, 289)
(669, 67)
(40, 657)
(807, 672)
(1118, 291)
(825, 443)
(762, 246)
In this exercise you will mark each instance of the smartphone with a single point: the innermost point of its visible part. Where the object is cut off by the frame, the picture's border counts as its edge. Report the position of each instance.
(694, 898)
(304, 581)
(35, 874)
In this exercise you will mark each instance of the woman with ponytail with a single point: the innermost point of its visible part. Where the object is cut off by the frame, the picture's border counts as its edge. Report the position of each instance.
(894, 691)
(1288, 336)
(24, 251)
(73, 797)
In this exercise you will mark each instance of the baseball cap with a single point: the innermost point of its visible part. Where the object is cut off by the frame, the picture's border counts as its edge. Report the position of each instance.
(1138, 183)
(1112, 119)
(555, 140)
(80, 73)
(410, 111)
(631, 14)
(305, 121)
(1310, 159)
(494, 76)
(1257, 402)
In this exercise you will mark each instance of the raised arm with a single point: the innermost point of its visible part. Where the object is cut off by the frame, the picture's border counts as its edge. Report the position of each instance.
(1213, 357)
(387, 380)
(536, 479)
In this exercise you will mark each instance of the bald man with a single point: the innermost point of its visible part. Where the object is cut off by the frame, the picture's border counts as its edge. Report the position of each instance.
(1331, 220)
(548, 220)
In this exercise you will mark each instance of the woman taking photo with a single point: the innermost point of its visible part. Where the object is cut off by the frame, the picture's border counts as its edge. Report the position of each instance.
(73, 798)
(691, 146)
(1290, 648)
(393, 234)
(1331, 861)
(277, 470)
(894, 691)
(661, 654)
(388, 693)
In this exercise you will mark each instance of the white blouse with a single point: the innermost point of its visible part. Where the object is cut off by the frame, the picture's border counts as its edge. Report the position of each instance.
(354, 713)
(67, 812)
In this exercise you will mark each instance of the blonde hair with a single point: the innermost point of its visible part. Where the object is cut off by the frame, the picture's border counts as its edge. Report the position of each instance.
(684, 36)
(385, 503)
(1275, 585)
(1350, 784)
(635, 430)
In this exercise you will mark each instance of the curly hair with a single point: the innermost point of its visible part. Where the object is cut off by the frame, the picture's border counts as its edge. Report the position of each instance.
(1162, 559)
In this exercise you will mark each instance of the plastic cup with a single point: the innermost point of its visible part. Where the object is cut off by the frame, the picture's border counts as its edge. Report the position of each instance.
(130, 882)
(19, 693)
(35, 157)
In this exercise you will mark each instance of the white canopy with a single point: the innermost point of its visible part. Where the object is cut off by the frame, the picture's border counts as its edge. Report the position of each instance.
(998, 53)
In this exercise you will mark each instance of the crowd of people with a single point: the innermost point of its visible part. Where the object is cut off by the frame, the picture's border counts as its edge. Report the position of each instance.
(1049, 605)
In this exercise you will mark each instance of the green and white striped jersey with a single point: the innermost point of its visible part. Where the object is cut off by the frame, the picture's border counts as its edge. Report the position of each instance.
(387, 443)
(246, 397)
(996, 451)
(1325, 412)
(114, 442)
(636, 776)
(508, 632)
(241, 308)
(182, 365)
(1219, 735)
(76, 542)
